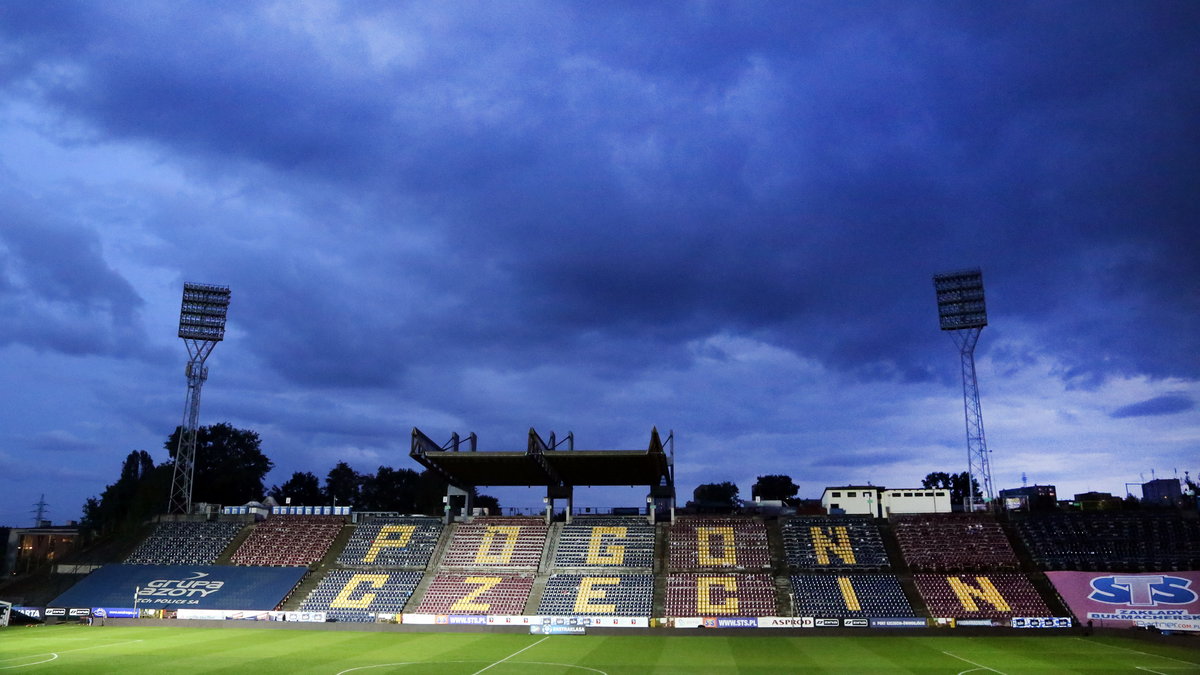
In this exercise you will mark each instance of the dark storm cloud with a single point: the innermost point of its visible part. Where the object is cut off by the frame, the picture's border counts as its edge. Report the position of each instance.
(56, 290)
(720, 218)
(795, 174)
(1159, 405)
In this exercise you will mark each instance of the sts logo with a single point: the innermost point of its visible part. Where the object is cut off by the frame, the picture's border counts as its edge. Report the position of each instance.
(1142, 590)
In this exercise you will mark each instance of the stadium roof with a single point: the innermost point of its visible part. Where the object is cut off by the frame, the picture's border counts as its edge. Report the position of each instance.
(543, 466)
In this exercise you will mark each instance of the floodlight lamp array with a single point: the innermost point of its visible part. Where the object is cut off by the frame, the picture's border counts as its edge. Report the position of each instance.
(960, 300)
(202, 312)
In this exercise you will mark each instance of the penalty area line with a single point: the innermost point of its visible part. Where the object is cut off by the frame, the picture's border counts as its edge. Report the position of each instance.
(511, 655)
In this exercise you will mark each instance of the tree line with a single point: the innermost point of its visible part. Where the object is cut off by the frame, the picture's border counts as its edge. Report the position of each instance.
(230, 469)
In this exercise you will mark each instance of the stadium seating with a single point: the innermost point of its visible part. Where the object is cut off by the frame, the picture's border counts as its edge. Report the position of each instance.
(289, 540)
(349, 595)
(1122, 541)
(848, 596)
(719, 544)
(512, 543)
(985, 596)
(392, 542)
(476, 593)
(605, 542)
(720, 595)
(583, 594)
(185, 543)
(833, 542)
(953, 543)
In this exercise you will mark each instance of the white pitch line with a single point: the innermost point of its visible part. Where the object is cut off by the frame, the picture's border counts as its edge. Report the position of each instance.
(54, 655)
(34, 663)
(1148, 670)
(426, 663)
(511, 655)
(977, 665)
(1126, 649)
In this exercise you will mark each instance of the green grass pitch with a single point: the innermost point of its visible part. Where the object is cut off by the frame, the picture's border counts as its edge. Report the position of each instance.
(134, 650)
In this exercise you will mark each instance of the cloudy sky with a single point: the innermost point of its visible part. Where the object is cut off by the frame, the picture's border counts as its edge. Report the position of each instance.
(715, 218)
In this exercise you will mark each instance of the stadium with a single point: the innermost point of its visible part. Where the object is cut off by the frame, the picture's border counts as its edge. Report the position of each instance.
(644, 588)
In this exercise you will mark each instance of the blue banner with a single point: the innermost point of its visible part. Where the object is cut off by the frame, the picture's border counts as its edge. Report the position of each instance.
(898, 622)
(114, 613)
(183, 587)
(737, 622)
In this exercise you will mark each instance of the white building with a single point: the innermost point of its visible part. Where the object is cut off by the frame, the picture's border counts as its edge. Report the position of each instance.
(852, 499)
(881, 503)
(916, 500)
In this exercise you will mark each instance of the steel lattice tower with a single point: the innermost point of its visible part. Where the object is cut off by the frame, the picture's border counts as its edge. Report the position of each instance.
(962, 312)
(202, 326)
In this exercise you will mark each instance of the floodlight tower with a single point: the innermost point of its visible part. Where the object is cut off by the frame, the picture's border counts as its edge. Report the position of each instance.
(962, 312)
(202, 326)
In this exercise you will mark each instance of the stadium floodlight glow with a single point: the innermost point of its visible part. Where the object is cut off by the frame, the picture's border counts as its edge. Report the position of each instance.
(963, 312)
(201, 325)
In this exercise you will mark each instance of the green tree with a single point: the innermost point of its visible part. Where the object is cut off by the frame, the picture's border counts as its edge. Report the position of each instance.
(303, 488)
(230, 465)
(431, 487)
(139, 492)
(956, 483)
(391, 490)
(716, 497)
(774, 487)
(343, 486)
(488, 502)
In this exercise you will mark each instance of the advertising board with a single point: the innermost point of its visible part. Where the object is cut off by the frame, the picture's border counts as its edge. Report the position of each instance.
(551, 629)
(898, 622)
(785, 622)
(1126, 600)
(114, 613)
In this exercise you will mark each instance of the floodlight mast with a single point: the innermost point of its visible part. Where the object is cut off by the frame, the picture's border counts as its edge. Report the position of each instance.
(962, 312)
(202, 326)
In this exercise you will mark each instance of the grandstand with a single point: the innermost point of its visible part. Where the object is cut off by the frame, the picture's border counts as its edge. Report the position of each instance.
(481, 593)
(178, 542)
(348, 595)
(985, 596)
(849, 596)
(491, 542)
(605, 542)
(289, 540)
(828, 567)
(1129, 541)
(719, 544)
(386, 542)
(611, 595)
(834, 543)
(954, 543)
(836, 567)
(691, 594)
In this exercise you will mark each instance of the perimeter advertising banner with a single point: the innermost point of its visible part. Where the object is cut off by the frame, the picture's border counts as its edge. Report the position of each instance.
(1125, 600)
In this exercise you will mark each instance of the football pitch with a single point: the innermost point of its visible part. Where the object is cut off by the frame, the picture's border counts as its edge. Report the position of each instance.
(134, 650)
